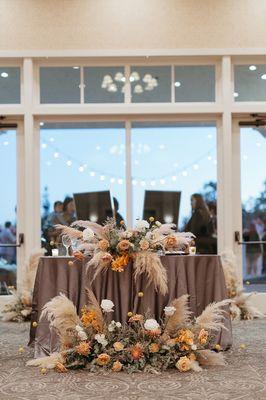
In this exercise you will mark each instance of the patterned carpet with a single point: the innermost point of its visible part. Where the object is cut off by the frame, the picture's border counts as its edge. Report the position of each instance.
(243, 378)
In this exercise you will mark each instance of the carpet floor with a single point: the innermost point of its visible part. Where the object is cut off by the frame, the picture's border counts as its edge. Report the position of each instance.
(244, 376)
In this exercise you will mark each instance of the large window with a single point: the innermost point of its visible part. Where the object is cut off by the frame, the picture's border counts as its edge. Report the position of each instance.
(253, 185)
(250, 82)
(81, 158)
(177, 158)
(8, 202)
(9, 85)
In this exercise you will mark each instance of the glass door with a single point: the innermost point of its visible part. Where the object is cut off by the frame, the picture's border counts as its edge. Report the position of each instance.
(8, 207)
(253, 198)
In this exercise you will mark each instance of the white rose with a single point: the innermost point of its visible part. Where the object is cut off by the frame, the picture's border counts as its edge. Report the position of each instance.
(25, 312)
(88, 234)
(142, 225)
(107, 305)
(101, 339)
(193, 347)
(118, 324)
(78, 328)
(169, 311)
(157, 223)
(151, 324)
(111, 327)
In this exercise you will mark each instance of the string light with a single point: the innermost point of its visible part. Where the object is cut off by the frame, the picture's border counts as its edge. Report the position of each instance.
(120, 181)
(195, 167)
(56, 155)
(184, 173)
(6, 143)
(112, 180)
(81, 169)
(92, 173)
(134, 182)
(162, 181)
(174, 178)
(69, 163)
(44, 145)
(153, 183)
(102, 178)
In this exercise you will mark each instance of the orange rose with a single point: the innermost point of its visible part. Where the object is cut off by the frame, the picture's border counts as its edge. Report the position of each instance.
(83, 348)
(136, 351)
(154, 348)
(117, 366)
(192, 357)
(136, 318)
(203, 336)
(124, 245)
(60, 367)
(144, 244)
(103, 359)
(103, 245)
(118, 346)
(170, 242)
(183, 364)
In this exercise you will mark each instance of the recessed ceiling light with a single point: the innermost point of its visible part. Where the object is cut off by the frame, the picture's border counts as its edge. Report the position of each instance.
(263, 76)
(177, 84)
(75, 67)
(4, 74)
(236, 94)
(41, 123)
(252, 67)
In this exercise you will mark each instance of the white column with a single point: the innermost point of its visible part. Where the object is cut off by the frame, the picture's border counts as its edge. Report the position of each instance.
(31, 203)
(225, 181)
(129, 191)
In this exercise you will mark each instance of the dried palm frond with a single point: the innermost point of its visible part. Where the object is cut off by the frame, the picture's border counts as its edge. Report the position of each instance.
(97, 263)
(248, 311)
(181, 315)
(48, 362)
(62, 315)
(229, 268)
(212, 316)
(88, 248)
(67, 230)
(96, 228)
(149, 263)
(209, 357)
(93, 304)
(8, 316)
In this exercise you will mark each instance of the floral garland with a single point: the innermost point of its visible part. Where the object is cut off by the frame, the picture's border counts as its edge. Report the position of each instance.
(113, 247)
(140, 345)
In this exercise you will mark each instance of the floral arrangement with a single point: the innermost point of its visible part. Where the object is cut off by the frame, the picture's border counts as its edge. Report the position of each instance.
(112, 247)
(142, 344)
(240, 307)
(19, 308)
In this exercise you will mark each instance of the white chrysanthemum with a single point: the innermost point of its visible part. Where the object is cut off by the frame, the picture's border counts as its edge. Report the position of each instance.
(88, 234)
(169, 311)
(142, 225)
(107, 305)
(100, 338)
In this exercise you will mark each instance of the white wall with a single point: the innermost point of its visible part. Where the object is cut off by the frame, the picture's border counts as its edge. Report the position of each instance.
(131, 24)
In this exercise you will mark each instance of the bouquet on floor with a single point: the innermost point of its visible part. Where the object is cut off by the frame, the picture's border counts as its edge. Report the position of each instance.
(114, 247)
(142, 344)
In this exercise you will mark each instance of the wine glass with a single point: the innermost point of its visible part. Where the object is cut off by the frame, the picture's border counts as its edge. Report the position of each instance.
(66, 243)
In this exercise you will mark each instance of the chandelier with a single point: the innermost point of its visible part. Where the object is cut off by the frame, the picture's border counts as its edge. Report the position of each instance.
(117, 83)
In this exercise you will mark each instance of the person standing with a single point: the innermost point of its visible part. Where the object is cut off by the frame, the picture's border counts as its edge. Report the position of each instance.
(7, 237)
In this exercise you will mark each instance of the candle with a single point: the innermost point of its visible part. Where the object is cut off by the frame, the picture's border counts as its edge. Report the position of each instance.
(55, 252)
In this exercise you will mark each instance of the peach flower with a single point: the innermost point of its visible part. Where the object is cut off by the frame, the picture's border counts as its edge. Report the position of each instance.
(60, 367)
(183, 364)
(106, 259)
(103, 359)
(136, 351)
(154, 347)
(103, 245)
(203, 336)
(118, 346)
(124, 245)
(117, 366)
(136, 318)
(144, 244)
(170, 242)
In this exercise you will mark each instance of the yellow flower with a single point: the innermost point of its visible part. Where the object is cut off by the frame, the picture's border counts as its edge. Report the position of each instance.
(140, 294)
(154, 348)
(70, 263)
(83, 348)
(119, 263)
(122, 222)
(217, 347)
(60, 367)
(43, 370)
(242, 346)
(151, 219)
(203, 336)
(185, 336)
(103, 359)
(184, 347)
(129, 314)
(171, 342)
(183, 364)
(21, 349)
(34, 324)
(117, 366)
(89, 318)
(118, 346)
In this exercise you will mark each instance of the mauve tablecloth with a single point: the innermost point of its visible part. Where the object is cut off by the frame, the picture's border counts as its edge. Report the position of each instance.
(200, 276)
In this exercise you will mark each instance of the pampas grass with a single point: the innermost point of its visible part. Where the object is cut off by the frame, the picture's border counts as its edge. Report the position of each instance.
(62, 315)
(71, 232)
(97, 263)
(48, 362)
(212, 316)
(181, 315)
(210, 358)
(149, 263)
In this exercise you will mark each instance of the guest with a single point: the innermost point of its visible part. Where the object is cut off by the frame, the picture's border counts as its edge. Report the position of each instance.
(201, 225)
(264, 251)
(253, 251)
(68, 215)
(56, 216)
(117, 215)
(7, 237)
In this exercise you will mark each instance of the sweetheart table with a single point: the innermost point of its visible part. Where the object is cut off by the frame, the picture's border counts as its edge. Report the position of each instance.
(200, 276)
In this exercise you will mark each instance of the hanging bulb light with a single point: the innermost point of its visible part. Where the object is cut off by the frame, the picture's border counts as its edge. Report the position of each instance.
(119, 76)
(69, 163)
(138, 89)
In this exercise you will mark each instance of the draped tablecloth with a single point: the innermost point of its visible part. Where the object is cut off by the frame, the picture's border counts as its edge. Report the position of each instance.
(200, 276)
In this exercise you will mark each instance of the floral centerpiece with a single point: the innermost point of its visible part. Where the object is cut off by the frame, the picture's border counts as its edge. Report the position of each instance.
(143, 344)
(114, 247)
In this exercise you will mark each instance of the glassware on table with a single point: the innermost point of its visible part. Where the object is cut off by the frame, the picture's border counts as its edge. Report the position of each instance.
(66, 241)
(192, 250)
(74, 244)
